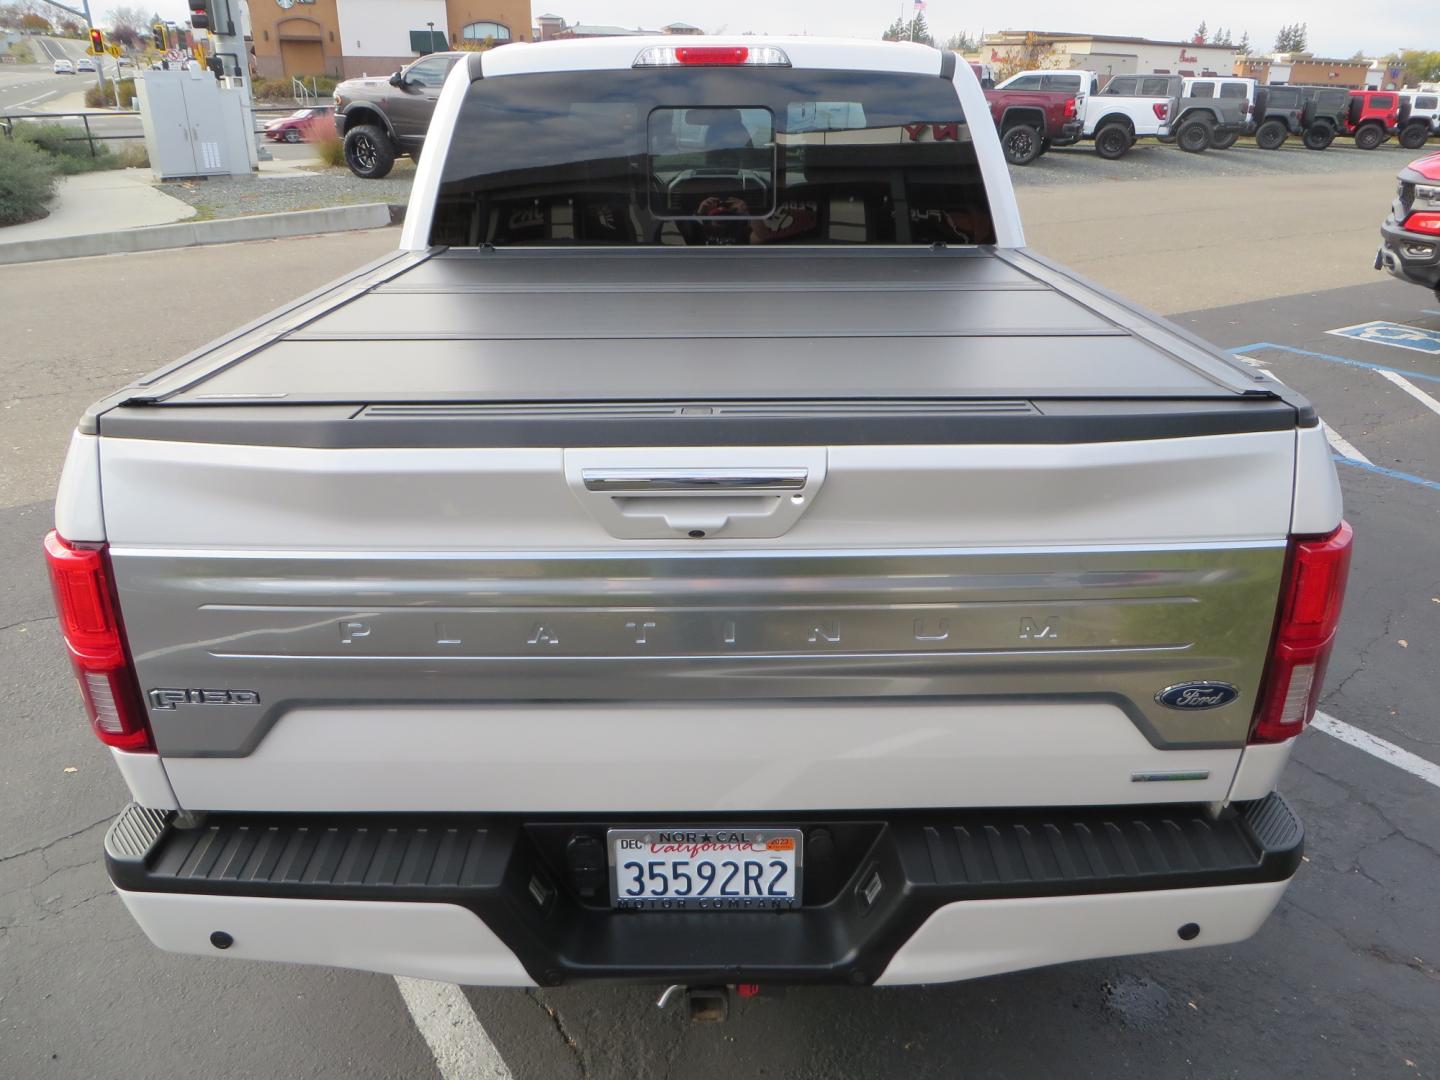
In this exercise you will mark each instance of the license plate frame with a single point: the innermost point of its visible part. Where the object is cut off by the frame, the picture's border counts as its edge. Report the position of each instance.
(718, 846)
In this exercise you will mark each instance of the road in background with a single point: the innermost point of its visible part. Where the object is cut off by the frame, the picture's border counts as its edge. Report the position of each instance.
(1343, 981)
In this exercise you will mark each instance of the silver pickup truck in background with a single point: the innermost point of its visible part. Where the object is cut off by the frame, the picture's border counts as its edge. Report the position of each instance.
(712, 549)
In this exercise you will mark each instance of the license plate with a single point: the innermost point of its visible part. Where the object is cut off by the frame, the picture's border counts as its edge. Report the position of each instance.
(705, 869)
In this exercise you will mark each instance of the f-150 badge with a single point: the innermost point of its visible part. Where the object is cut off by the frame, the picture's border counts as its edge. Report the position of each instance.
(167, 697)
(1197, 695)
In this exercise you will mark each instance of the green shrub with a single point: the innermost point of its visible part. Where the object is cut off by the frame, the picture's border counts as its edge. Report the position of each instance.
(284, 89)
(66, 147)
(95, 98)
(27, 181)
(22, 52)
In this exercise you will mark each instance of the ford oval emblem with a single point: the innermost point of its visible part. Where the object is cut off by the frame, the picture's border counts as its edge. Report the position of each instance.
(1197, 695)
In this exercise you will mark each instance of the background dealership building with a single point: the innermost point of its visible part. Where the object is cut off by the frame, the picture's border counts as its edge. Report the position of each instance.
(346, 38)
(1108, 56)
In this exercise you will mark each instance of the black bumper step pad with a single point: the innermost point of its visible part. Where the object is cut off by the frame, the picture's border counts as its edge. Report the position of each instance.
(870, 880)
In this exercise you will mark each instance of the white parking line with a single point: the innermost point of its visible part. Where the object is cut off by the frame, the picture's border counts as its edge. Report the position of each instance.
(1343, 446)
(462, 1049)
(1378, 747)
(1413, 390)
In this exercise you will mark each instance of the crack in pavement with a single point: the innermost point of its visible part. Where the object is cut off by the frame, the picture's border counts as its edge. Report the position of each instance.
(59, 839)
(559, 1024)
(51, 914)
(1356, 794)
(1372, 949)
(26, 622)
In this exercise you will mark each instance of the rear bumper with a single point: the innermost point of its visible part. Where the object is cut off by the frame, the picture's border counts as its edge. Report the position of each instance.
(499, 900)
(1069, 133)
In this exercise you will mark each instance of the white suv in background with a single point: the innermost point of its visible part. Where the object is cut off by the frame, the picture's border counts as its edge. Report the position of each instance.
(1417, 106)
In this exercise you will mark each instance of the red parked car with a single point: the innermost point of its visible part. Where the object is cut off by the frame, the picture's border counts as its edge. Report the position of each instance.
(301, 125)
(1410, 236)
(1373, 117)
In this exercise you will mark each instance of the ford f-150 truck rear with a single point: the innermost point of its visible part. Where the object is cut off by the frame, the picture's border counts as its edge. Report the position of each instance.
(712, 549)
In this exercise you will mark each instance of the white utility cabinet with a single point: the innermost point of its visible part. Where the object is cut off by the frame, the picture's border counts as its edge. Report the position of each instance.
(193, 125)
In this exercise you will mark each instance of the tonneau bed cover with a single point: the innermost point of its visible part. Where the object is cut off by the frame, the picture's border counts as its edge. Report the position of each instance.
(939, 345)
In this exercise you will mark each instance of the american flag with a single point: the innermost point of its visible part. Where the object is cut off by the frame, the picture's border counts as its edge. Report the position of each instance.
(919, 5)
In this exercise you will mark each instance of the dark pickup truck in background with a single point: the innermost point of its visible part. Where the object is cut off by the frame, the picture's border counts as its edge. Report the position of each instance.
(1032, 121)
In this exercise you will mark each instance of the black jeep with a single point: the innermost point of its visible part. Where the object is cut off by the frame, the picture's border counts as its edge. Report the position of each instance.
(1281, 112)
(1327, 112)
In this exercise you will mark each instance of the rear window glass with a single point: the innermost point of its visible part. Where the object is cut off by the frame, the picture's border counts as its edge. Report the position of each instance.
(1024, 82)
(1382, 101)
(1202, 90)
(1426, 102)
(1121, 86)
(1061, 82)
(711, 156)
(1155, 88)
(1232, 90)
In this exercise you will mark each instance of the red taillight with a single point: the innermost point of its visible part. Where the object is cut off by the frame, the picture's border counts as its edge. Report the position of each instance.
(1162, 109)
(1424, 221)
(1310, 601)
(1071, 110)
(95, 640)
(711, 54)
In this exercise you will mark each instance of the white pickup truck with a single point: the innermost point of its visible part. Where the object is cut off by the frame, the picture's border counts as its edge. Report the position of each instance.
(1112, 121)
(711, 550)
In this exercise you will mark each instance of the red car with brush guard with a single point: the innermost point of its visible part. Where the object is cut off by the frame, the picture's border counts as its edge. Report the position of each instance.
(1410, 236)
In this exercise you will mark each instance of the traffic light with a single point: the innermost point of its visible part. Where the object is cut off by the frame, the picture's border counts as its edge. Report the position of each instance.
(158, 37)
(97, 41)
(200, 14)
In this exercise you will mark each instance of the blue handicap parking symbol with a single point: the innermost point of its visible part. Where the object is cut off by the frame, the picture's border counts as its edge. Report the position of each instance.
(1414, 338)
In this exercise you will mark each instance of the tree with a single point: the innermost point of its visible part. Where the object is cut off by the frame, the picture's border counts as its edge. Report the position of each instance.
(126, 35)
(914, 30)
(1030, 54)
(1201, 33)
(1293, 38)
(962, 42)
(1221, 37)
(1419, 65)
(133, 17)
(1244, 44)
(35, 24)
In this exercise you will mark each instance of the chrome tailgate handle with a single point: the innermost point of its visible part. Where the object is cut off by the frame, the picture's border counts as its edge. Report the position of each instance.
(662, 493)
(694, 481)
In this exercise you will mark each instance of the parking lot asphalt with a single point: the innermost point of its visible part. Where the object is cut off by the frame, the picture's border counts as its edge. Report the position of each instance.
(1343, 981)
(1151, 161)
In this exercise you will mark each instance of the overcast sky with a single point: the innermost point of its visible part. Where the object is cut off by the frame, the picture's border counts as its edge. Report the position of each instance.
(1335, 29)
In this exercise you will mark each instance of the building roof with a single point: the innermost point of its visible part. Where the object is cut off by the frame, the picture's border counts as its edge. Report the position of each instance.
(597, 30)
(679, 26)
(1068, 36)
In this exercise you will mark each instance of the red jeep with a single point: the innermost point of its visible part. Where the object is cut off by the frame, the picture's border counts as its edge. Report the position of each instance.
(1373, 117)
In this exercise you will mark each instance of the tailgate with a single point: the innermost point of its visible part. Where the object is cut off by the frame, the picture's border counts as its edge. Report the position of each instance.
(678, 628)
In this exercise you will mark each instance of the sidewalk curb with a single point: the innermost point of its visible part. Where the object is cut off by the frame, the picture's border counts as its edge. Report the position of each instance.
(198, 233)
